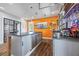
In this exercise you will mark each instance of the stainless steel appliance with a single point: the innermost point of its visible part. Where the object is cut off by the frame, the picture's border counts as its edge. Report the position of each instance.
(56, 34)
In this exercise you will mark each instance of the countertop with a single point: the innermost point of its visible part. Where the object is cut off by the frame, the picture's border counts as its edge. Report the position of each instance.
(67, 38)
(22, 34)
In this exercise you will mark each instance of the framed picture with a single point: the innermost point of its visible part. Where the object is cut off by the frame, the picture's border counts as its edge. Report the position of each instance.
(42, 25)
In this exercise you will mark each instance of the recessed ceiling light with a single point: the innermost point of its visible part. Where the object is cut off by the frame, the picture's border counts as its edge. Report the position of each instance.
(36, 13)
(31, 7)
(44, 14)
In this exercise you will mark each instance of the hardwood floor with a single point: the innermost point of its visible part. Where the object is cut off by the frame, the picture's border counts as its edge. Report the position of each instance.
(44, 49)
(5, 48)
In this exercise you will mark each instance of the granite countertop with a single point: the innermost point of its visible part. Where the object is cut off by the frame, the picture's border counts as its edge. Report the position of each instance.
(23, 34)
(67, 38)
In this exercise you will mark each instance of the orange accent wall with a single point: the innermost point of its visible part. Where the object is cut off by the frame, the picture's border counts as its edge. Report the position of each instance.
(51, 23)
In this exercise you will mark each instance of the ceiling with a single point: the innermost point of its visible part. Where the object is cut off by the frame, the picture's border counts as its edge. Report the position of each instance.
(31, 10)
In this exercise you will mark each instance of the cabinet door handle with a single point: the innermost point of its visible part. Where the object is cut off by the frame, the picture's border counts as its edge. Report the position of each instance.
(22, 43)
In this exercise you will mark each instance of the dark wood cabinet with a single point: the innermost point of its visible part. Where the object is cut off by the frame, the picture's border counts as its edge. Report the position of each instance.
(67, 6)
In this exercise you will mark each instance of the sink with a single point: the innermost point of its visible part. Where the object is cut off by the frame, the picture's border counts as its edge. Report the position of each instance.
(30, 32)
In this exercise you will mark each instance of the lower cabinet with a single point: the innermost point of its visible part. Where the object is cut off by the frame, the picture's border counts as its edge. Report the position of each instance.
(36, 38)
(26, 44)
(20, 45)
(39, 37)
(33, 41)
(65, 47)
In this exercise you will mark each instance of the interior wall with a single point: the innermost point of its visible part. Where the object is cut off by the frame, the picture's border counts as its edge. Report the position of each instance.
(51, 23)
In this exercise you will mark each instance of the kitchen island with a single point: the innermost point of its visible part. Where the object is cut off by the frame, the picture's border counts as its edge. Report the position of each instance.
(24, 43)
